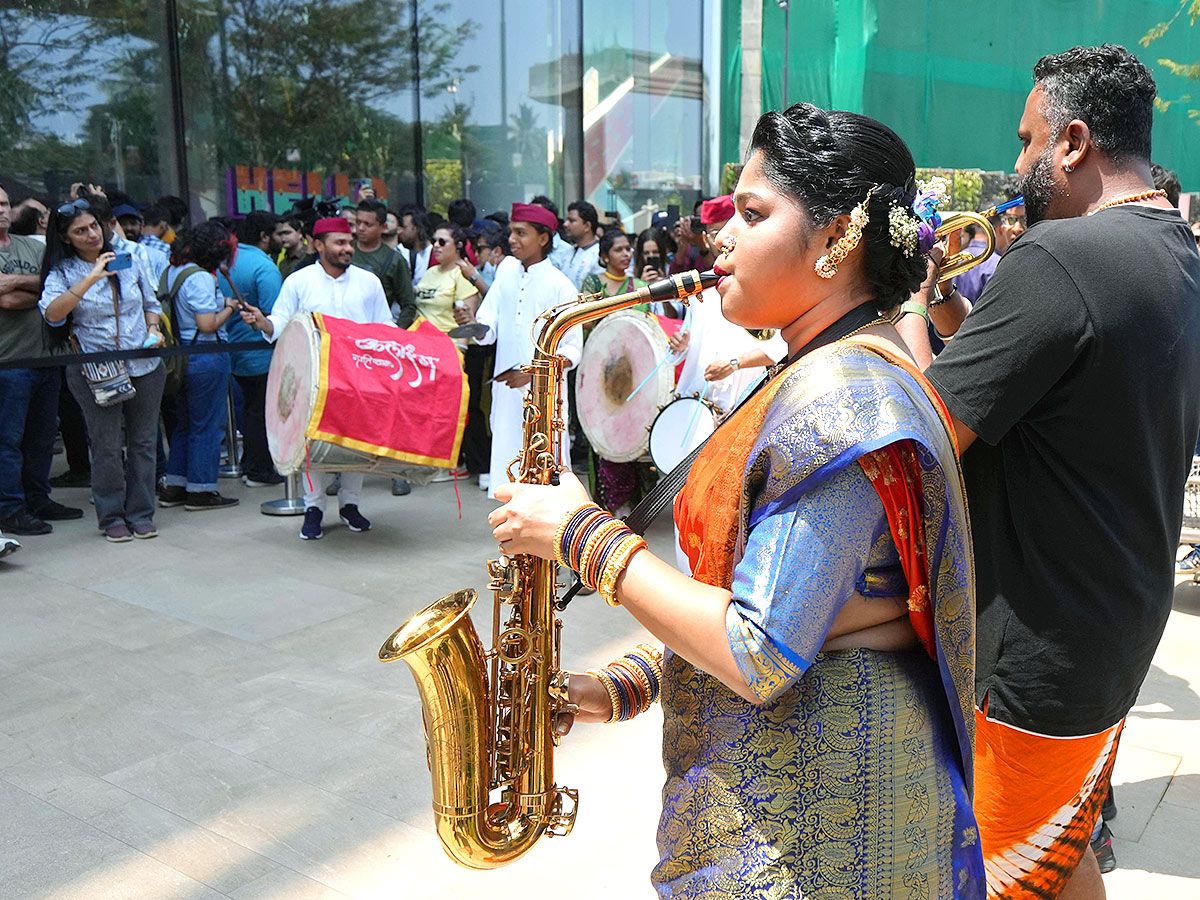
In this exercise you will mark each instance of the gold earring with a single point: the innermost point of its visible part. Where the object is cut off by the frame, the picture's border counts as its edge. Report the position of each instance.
(827, 265)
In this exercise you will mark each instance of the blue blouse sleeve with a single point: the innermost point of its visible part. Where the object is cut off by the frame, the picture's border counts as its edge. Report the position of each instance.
(800, 566)
(55, 285)
(199, 293)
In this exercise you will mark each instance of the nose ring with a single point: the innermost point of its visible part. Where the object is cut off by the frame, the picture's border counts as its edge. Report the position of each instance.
(727, 245)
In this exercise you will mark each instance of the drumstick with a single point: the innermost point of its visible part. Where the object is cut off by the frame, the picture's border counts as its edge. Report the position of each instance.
(695, 413)
(648, 377)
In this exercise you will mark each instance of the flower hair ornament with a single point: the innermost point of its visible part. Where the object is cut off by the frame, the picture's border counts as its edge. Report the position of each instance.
(827, 265)
(914, 230)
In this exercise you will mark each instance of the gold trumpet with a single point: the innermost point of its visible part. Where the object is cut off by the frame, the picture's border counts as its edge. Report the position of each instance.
(960, 261)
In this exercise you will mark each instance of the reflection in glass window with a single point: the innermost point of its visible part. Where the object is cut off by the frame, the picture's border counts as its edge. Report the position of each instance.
(643, 95)
(84, 97)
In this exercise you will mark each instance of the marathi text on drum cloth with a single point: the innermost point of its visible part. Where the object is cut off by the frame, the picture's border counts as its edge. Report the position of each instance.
(390, 391)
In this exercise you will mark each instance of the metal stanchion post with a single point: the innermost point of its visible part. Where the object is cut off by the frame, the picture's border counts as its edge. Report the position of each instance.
(233, 466)
(292, 501)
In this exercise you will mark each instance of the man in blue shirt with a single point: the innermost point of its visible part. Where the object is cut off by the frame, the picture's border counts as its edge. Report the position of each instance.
(255, 280)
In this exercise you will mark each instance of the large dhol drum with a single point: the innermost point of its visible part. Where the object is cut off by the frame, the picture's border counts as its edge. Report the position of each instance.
(623, 350)
(298, 405)
(683, 425)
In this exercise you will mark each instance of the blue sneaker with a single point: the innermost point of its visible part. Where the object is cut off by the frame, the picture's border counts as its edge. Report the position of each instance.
(353, 519)
(312, 525)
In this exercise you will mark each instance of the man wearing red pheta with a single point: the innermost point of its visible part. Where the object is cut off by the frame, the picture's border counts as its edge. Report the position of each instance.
(335, 288)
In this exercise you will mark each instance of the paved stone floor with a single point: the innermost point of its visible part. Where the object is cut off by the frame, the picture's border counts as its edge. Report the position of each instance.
(202, 716)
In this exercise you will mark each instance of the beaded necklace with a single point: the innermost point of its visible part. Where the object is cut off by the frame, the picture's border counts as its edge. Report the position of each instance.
(1132, 198)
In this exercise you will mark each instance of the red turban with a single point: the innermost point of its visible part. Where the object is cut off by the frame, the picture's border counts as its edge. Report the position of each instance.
(531, 212)
(332, 225)
(718, 209)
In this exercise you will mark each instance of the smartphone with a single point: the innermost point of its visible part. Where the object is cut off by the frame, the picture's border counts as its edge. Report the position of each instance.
(121, 261)
(672, 214)
(697, 225)
(654, 262)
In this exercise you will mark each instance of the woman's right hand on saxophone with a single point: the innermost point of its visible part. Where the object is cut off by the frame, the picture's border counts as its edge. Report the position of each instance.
(589, 695)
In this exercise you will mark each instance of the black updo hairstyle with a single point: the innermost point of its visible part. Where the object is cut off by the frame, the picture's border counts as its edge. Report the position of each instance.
(828, 161)
(206, 245)
(610, 237)
(458, 235)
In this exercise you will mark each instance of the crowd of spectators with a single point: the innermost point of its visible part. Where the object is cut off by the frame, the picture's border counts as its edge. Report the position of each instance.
(101, 271)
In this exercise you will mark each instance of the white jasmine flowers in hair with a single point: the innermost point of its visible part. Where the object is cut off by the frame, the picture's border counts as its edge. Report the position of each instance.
(903, 229)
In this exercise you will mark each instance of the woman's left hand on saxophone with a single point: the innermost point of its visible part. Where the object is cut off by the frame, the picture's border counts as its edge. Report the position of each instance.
(532, 513)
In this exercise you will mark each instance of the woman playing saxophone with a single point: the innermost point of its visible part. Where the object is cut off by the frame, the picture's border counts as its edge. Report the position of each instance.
(817, 685)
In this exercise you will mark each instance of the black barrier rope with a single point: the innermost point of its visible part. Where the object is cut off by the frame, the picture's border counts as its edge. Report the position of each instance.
(68, 359)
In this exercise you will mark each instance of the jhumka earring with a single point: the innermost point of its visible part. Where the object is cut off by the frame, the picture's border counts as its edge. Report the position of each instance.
(827, 265)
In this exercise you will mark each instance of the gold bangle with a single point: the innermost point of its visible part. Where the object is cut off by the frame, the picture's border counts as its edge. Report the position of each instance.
(613, 697)
(598, 537)
(617, 563)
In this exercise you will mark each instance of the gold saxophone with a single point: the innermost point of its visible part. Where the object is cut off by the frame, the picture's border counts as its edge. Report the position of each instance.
(489, 716)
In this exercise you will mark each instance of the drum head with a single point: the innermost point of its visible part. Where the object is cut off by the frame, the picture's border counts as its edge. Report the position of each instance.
(681, 427)
(292, 392)
(622, 350)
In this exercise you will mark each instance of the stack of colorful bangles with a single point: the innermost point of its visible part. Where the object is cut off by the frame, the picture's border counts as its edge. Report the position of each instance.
(598, 546)
(633, 681)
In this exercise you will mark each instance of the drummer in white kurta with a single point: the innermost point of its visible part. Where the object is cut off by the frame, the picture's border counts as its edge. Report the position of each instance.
(335, 288)
(526, 285)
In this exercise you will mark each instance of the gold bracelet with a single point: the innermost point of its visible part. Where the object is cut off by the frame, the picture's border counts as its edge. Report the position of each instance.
(613, 697)
(617, 562)
(598, 537)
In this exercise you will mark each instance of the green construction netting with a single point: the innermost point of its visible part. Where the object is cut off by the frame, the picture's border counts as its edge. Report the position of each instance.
(951, 77)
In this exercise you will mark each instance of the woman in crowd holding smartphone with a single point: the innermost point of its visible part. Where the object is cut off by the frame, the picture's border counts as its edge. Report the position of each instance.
(107, 308)
(199, 313)
(450, 288)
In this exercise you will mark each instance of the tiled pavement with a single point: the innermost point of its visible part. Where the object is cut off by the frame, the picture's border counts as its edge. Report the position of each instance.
(202, 716)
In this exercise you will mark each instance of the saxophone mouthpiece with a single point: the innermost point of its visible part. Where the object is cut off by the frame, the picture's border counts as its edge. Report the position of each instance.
(682, 285)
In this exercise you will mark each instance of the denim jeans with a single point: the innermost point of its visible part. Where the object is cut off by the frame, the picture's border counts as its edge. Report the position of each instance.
(28, 419)
(123, 489)
(200, 412)
(256, 457)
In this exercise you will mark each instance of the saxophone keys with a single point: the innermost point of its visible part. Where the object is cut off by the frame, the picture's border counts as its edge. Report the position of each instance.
(560, 820)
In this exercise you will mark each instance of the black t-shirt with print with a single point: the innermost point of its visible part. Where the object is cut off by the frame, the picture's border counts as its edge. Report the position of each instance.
(1079, 369)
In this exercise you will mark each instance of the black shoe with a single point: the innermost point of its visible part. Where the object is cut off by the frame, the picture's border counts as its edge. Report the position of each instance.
(172, 495)
(23, 523)
(1102, 847)
(208, 500)
(257, 481)
(400, 487)
(353, 519)
(1109, 811)
(56, 512)
(72, 478)
(311, 529)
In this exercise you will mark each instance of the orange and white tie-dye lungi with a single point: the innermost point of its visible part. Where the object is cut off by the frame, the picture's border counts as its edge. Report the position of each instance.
(1037, 798)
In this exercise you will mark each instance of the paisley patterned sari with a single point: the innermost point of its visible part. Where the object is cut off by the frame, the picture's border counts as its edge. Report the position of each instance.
(852, 776)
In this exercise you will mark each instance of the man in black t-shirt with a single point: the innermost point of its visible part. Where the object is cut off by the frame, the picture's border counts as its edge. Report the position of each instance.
(1074, 386)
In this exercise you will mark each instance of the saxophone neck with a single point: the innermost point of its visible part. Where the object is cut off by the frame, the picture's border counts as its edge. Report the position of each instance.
(589, 307)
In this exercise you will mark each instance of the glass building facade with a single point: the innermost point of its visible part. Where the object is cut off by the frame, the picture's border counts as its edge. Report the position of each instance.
(241, 104)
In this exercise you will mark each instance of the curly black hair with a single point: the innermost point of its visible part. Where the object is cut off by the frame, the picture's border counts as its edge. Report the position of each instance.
(1108, 88)
(206, 245)
(829, 161)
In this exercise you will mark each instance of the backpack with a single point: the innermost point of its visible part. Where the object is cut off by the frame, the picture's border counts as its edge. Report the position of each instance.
(176, 365)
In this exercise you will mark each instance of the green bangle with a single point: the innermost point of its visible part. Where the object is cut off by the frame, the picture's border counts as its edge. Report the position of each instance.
(912, 306)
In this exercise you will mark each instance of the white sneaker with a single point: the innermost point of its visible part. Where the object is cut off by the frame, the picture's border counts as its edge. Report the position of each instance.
(485, 481)
(8, 546)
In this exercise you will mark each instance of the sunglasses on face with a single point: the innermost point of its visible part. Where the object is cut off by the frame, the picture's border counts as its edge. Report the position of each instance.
(442, 242)
(69, 209)
(1014, 220)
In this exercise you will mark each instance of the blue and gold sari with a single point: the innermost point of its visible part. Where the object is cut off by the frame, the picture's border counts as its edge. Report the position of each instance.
(852, 777)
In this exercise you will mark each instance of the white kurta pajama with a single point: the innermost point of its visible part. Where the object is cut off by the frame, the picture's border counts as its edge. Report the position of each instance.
(510, 309)
(356, 295)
